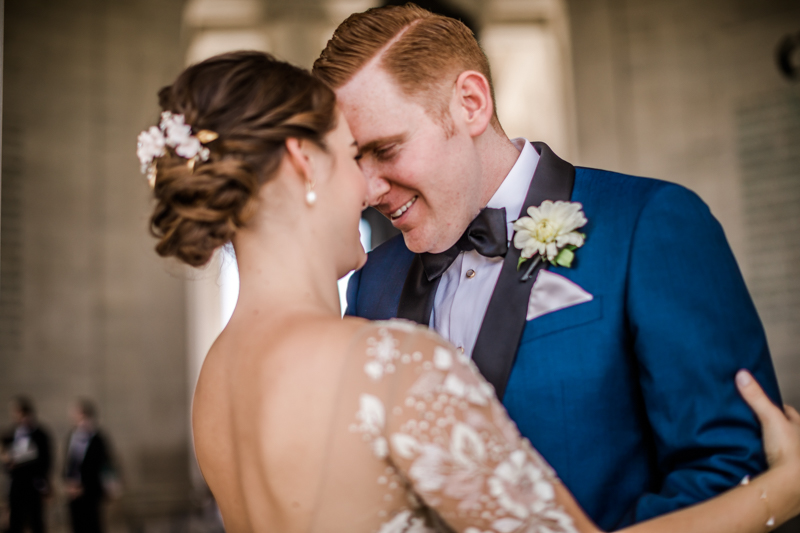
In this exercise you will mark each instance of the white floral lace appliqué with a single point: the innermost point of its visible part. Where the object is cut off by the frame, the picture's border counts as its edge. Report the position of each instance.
(457, 451)
(372, 419)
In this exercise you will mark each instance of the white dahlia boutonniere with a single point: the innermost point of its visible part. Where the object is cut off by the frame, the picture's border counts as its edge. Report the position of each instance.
(550, 232)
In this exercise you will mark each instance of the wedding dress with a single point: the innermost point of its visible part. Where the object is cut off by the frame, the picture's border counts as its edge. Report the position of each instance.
(418, 419)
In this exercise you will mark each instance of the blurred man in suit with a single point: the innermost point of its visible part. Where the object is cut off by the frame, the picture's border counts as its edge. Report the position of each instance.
(26, 456)
(86, 465)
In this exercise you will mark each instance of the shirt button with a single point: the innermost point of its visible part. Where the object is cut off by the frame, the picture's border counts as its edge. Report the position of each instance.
(470, 273)
(460, 350)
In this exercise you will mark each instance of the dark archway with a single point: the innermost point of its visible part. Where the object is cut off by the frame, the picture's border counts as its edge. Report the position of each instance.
(441, 7)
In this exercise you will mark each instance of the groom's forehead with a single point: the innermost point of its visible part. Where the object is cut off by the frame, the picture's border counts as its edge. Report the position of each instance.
(370, 88)
(375, 107)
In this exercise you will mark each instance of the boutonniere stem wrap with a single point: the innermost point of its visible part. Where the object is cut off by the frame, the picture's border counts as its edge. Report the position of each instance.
(549, 233)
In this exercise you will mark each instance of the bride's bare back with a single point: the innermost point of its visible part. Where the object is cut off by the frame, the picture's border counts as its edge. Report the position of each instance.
(322, 425)
(262, 417)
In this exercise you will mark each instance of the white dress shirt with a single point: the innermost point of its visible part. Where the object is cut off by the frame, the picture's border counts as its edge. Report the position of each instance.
(466, 287)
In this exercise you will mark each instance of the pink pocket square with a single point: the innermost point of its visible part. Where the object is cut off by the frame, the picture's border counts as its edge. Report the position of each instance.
(552, 292)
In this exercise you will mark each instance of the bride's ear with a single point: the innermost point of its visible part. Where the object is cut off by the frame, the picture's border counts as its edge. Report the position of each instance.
(299, 157)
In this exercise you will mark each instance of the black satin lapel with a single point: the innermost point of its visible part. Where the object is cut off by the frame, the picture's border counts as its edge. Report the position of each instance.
(416, 300)
(498, 340)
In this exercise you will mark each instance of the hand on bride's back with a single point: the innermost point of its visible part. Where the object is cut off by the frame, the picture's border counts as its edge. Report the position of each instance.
(781, 429)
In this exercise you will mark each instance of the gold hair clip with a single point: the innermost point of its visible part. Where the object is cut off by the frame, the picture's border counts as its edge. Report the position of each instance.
(206, 136)
(151, 175)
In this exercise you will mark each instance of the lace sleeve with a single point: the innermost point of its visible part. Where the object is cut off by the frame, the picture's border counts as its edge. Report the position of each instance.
(432, 416)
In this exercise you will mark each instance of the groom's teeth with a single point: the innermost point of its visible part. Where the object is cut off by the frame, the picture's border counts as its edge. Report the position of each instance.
(403, 208)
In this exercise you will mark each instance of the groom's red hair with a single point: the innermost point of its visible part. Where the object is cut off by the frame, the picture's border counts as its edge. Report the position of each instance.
(423, 52)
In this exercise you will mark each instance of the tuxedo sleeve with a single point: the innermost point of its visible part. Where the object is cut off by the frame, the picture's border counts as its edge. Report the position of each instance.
(352, 294)
(693, 326)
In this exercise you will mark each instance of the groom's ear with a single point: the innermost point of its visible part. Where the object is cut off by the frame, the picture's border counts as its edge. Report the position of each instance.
(473, 99)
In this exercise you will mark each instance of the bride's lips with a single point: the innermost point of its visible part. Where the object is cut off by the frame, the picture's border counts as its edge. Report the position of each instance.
(397, 214)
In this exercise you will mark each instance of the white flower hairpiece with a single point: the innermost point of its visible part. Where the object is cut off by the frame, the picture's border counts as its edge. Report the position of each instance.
(175, 133)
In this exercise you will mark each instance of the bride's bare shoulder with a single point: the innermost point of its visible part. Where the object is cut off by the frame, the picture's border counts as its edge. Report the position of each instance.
(337, 335)
(337, 339)
(319, 334)
(305, 345)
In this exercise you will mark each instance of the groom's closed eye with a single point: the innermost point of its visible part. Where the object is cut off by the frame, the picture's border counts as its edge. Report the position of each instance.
(385, 153)
(381, 149)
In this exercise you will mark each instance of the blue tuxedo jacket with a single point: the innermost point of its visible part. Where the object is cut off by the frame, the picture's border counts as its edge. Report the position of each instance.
(631, 396)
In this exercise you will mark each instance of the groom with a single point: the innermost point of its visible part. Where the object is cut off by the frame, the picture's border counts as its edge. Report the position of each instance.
(619, 369)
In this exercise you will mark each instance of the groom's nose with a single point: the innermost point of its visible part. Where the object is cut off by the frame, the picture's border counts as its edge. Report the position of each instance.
(377, 187)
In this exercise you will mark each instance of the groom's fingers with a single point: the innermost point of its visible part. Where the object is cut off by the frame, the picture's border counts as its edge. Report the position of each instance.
(754, 395)
(791, 413)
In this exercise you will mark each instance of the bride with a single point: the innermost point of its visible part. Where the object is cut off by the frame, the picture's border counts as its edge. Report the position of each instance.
(304, 421)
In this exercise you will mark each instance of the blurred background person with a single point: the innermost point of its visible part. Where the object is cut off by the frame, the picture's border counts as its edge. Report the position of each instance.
(26, 457)
(88, 472)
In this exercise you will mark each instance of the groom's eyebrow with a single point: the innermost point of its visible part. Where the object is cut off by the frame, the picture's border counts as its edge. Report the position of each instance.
(374, 145)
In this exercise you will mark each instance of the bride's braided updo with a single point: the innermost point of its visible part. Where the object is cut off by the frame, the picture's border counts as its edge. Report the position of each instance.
(254, 103)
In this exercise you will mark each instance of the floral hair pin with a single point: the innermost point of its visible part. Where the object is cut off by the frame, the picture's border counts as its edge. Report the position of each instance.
(175, 133)
(550, 233)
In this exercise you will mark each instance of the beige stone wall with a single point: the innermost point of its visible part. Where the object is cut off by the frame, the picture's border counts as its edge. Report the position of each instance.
(689, 92)
(87, 307)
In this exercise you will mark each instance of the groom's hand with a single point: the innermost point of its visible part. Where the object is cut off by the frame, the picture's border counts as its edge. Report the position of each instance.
(780, 429)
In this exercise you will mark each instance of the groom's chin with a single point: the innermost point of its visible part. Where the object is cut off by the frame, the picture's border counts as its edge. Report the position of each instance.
(415, 240)
(419, 241)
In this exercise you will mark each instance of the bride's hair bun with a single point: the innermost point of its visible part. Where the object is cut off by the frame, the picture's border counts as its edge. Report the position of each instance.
(254, 103)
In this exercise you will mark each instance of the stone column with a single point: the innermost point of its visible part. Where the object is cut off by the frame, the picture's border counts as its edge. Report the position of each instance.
(528, 45)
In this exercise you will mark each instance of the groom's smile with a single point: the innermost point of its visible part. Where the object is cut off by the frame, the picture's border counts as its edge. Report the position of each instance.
(395, 215)
(406, 209)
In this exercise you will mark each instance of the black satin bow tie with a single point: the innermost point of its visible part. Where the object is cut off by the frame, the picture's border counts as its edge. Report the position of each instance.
(486, 234)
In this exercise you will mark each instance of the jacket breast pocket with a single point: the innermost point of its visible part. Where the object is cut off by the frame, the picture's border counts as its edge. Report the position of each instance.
(570, 317)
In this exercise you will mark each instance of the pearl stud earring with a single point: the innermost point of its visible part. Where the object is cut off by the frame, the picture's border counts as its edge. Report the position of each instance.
(311, 196)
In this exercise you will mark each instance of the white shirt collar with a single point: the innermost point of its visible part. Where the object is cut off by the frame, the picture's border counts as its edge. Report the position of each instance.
(511, 193)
